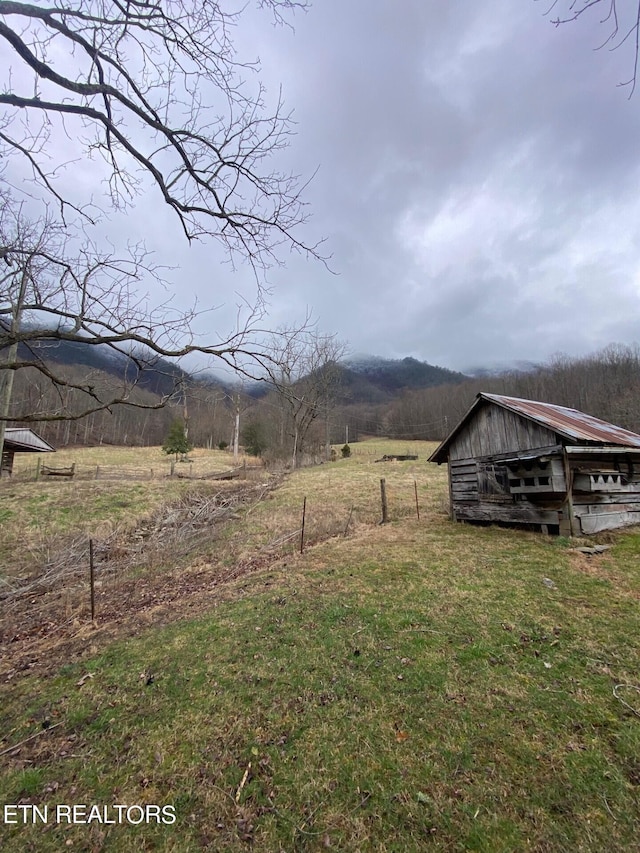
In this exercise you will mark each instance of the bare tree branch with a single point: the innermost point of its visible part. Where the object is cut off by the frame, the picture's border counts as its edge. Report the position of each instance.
(623, 27)
(54, 292)
(155, 94)
(159, 88)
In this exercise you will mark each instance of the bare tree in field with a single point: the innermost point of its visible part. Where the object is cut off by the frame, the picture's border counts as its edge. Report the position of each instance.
(53, 294)
(303, 369)
(620, 21)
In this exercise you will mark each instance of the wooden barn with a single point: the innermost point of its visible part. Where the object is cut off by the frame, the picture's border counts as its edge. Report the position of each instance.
(516, 461)
(20, 440)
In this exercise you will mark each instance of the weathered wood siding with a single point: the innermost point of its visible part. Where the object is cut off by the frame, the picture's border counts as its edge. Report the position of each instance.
(6, 463)
(541, 477)
(470, 503)
(605, 494)
(464, 480)
(487, 484)
(496, 430)
(522, 512)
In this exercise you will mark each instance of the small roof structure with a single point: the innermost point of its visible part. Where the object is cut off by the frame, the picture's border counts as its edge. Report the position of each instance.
(570, 424)
(23, 440)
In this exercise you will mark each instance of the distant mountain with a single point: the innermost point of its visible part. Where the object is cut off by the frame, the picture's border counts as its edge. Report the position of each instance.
(364, 379)
(160, 376)
(501, 369)
(373, 380)
(376, 380)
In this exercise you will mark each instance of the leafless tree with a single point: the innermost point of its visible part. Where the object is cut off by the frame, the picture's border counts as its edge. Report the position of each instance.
(151, 92)
(156, 89)
(52, 294)
(303, 369)
(620, 20)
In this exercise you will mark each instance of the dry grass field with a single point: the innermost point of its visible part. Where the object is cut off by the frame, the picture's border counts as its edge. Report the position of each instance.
(204, 461)
(37, 518)
(418, 685)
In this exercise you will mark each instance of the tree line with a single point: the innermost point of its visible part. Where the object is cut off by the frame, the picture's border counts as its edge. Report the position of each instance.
(605, 384)
(297, 414)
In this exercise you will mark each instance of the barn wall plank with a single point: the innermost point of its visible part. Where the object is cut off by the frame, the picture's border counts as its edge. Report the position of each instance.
(596, 522)
(495, 430)
(515, 513)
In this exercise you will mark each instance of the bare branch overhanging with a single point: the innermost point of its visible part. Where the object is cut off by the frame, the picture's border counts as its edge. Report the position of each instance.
(134, 78)
(159, 88)
(623, 25)
(52, 294)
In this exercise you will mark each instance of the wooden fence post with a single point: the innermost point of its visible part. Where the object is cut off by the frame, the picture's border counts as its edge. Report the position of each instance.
(383, 496)
(38, 463)
(415, 486)
(346, 528)
(91, 580)
(304, 512)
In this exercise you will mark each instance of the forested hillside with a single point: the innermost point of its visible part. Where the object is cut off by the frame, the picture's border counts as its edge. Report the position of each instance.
(390, 376)
(605, 384)
(156, 395)
(366, 397)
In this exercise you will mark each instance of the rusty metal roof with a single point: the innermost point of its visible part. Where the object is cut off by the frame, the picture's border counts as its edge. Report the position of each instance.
(22, 440)
(568, 422)
(571, 424)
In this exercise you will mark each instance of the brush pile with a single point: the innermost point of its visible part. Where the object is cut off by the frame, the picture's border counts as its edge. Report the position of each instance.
(170, 534)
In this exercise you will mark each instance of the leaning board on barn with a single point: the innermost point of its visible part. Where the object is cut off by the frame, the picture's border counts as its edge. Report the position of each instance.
(524, 462)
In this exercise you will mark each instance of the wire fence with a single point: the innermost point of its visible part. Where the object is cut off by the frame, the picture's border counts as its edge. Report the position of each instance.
(191, 525)
(178, 554)
(39, 472)
(35, 604)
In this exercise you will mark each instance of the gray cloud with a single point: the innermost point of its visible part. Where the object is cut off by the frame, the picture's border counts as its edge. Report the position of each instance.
(477, 183)
(482, 180)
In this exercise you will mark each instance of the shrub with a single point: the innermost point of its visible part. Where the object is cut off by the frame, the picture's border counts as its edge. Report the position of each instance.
(253, 438)
(176, 440)
(346, 451)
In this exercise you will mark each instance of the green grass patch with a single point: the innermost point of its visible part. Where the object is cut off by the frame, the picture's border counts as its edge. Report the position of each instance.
(411, 687)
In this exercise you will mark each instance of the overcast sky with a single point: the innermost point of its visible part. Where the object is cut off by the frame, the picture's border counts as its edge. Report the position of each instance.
(477, 182)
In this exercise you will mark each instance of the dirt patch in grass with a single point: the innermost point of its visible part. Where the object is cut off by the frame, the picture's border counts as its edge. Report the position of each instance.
(135, 605)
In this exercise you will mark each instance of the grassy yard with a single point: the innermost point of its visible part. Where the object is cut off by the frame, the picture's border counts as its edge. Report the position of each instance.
(415, 686)
(36, 517)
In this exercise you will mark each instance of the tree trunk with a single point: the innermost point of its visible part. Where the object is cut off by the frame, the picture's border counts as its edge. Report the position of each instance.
(236, 432)
(6, 381)
(294, 458)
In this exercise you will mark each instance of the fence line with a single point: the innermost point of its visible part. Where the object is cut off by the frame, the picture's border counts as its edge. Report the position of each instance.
(184, 527)
(191, 470)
